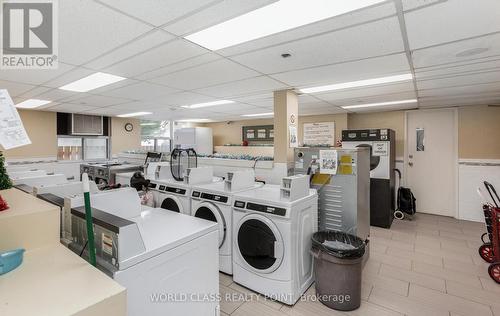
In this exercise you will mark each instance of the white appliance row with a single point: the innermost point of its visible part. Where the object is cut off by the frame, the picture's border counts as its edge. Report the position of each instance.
(264, 240)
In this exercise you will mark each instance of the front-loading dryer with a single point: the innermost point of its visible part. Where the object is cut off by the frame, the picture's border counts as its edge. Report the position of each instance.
(213, 202)
(272, 242)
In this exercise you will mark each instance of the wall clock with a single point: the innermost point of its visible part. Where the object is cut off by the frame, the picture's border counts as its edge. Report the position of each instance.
(129, 127)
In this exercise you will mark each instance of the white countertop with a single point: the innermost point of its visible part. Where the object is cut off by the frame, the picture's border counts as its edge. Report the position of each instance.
(53, 281)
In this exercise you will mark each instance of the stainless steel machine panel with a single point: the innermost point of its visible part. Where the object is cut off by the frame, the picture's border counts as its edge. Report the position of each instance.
(344, 198)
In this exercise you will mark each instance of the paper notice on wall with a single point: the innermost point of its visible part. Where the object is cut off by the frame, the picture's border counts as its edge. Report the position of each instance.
(12, 132)
(319, 133)
(380, 149)
(294, 141)
(328, 161)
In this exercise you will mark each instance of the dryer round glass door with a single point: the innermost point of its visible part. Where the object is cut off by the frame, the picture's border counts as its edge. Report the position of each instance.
(210, 212)
(374, 160)
(171, 203)
(260, 244)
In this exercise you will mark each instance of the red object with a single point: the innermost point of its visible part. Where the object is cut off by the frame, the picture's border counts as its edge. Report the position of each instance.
(490, 251)
(245, 143)
(3, 205)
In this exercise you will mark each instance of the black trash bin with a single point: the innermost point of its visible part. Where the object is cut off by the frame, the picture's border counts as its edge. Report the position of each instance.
(338, 261)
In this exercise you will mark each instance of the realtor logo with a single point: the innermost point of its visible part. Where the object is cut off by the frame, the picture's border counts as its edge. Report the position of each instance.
(29, 34)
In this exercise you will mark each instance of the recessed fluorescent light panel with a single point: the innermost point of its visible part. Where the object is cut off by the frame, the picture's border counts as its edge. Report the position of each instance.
(359, 83)
(134, 114)
(32, 103)
(206, 104)
(94, 81)
(368, 105)
(259, 114)
(274, 18)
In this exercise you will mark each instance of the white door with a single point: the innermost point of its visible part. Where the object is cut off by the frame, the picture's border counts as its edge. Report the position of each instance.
(431, 160)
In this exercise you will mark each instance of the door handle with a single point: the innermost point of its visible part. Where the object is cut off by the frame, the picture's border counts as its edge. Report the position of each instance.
(410, 164)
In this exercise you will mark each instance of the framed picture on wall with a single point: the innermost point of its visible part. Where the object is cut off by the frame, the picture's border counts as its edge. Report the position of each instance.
(262, 133)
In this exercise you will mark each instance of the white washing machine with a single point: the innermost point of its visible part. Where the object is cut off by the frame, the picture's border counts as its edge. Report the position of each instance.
(174, 195)
(213, 202)
(272, 242)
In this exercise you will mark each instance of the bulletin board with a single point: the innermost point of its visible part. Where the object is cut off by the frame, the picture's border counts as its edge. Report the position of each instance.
(259, 133)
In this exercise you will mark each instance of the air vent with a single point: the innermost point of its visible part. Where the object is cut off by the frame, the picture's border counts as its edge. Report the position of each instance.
(86, 124)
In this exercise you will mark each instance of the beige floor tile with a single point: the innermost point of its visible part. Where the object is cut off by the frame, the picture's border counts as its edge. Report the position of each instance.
(380, 232)
(407, 245)
(378, 247)
(413, 277)
(416, 256)
(404, 305)
(403, 263)
(230, 299)
(466, 268)
(260, 298)
(489, 298)
(496, 310)
(449, 302)
(457, 245)
(459, 236)
(409, 237)
(445, 253)
(372, 266)
(223, 314)
(490, 285)
(457, 276)
(256, 308)
(225, 279)
(386, 283)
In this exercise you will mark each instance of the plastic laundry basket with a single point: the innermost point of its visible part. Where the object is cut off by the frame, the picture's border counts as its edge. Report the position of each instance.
(338, 269)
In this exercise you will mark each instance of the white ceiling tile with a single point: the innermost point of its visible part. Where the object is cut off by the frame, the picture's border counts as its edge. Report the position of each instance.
(109, 111)
(378, 38)
(415, 4)
(209, 74)
(453, 81)
(321, 110)
(14, 88)
(142, 44)
(339, 22)
(140, 91)
(140, 106)
(182, 98)
(70, 76)
(234, 108)
(463, 100)
(363, 92)
(447, 54)
(163, 55)
(54, 94)
(158, 12)
(459, 69)
(345, 72)
(89, 29)
(452, 20)
(34, 76)
(98, 100)
(478, 89)
(189, 63)
(243, 87)
(70, 108)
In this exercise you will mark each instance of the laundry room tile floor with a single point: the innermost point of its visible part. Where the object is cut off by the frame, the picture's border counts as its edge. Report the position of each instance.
(427, 266)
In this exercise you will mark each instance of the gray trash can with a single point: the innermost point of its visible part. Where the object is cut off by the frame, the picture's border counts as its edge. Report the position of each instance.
(338, 261)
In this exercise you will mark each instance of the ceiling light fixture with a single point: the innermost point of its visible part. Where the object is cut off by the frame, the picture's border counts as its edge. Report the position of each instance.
(94, 81)
(271, 19)
(259, 114)
(206, 104)
(359, 83)
(134, 114)
(32, 103)
(368, 105)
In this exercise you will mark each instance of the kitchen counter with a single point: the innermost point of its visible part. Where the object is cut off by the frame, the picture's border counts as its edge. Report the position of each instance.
(53, 281)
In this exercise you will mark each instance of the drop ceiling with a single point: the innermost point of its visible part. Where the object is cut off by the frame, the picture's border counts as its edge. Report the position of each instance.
(143, 41)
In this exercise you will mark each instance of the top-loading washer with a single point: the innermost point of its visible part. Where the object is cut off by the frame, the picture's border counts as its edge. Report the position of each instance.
(272, 242)
(174, 195)
(213, 202)
(382, 145)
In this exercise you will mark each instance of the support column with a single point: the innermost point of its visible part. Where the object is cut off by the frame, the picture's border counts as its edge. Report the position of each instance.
(285, 128)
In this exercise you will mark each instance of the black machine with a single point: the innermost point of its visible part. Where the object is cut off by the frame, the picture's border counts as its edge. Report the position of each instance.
(382, 144)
